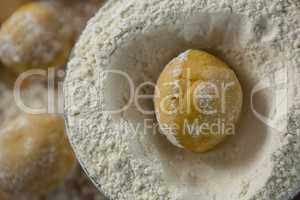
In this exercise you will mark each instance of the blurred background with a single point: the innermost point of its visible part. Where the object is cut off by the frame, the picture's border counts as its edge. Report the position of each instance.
(36, 159)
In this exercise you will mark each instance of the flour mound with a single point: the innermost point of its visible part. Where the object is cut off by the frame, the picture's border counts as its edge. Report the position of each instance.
(139, 38)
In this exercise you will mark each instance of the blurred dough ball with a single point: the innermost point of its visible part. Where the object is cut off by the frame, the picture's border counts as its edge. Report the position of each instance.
(35, 36)
(7, 7)
(35, 156)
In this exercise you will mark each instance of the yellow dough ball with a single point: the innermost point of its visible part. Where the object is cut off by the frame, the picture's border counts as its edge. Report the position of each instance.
(35, 36)
(35, 156)
(7, 7)
(198, 101)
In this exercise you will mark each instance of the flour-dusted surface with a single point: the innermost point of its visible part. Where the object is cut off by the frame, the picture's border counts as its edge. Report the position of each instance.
(259, 39)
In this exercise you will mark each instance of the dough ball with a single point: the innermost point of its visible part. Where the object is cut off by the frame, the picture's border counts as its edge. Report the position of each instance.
(35, 36)
(35, 156)
(7, 7)
(198, 101)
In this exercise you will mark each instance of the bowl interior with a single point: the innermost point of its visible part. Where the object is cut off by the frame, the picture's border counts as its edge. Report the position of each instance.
(240, 166)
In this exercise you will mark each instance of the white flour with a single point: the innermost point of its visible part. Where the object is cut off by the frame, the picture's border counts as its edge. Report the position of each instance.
(259, 39)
